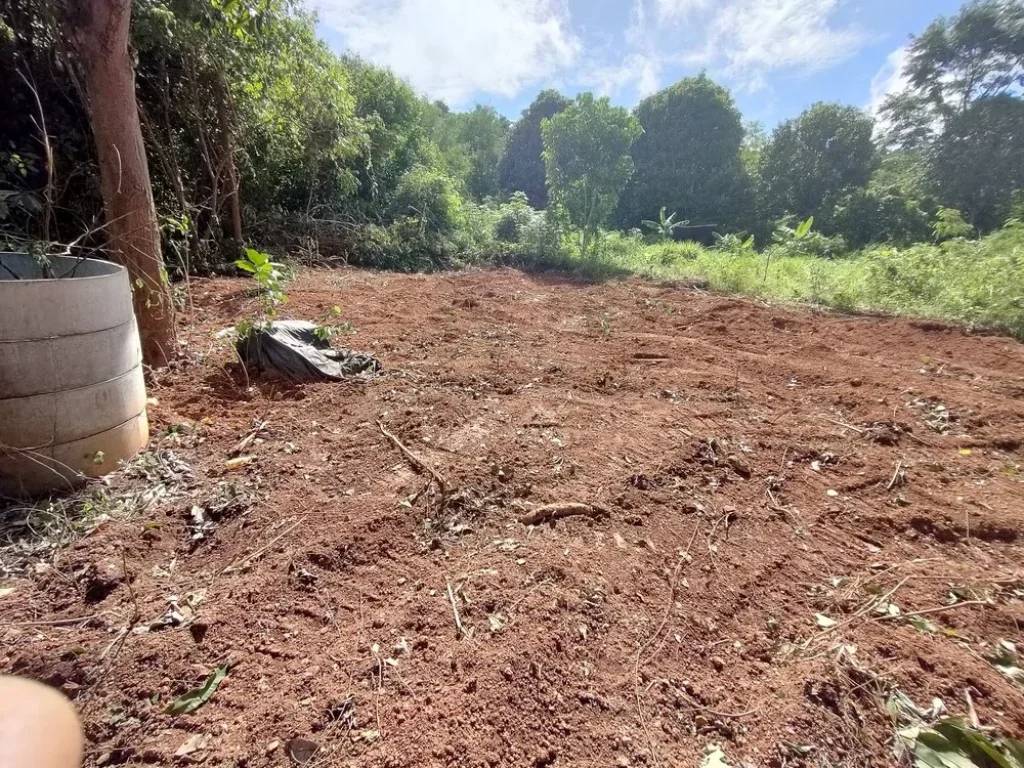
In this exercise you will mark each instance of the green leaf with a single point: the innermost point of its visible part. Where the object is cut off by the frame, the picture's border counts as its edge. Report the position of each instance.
(804, 228)
(194, 699)
(256, 257)
(245, 266)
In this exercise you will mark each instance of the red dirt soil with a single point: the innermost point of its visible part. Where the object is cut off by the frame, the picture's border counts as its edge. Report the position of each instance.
(748, 467)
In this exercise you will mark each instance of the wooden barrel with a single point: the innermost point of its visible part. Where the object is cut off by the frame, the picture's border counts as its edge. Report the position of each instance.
(72, 395)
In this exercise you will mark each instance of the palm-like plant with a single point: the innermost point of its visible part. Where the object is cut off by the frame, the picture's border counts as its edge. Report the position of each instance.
(665, 225)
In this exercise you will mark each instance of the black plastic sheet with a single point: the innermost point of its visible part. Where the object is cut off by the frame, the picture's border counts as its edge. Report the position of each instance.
(292, 348)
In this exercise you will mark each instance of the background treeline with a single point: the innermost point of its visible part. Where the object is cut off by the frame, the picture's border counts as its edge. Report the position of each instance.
(258, 133)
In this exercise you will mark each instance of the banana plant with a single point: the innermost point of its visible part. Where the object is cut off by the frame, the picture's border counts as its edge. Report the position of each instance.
(665, 226)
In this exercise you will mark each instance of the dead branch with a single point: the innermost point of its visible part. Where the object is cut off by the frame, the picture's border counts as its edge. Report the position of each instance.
(563, 509)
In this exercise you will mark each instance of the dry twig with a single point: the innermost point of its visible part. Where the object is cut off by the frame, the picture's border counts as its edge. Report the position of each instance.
(895, 476)
(455, 610)
(415, 460)
(937, 609)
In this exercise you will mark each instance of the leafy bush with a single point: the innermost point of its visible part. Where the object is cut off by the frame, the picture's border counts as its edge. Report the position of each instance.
(868, 216)
(802, 240)
(950, 224)
(514, 218)
(670, 253)
(428, 196)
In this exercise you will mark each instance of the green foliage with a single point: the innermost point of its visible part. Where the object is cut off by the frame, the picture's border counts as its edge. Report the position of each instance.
(949, 224)
(586, 153)
(963, 111)
(978, 159)
(331, 324)
(522, 168)
(956, 61)
(979, 282)
(269, 279)
(428, 196)
(814, 158)
(689, 158)
(393, 116)
(471, 145)
(952, 743)
(665, 226)
(865, 216)
(515, 217)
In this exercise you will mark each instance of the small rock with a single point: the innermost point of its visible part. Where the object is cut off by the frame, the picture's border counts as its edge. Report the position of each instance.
(832, 493)
(856, 382)
(272, 746)
(718, 663)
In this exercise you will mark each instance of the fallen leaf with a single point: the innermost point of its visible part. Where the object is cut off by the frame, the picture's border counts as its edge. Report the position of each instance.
(824, 621)
(240, 461)
(194, 699)
(965, 451)
(193, 744)
(497, 622)
(1006, 661)
(952, 743)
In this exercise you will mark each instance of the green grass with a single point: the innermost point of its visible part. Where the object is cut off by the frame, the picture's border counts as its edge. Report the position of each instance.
(975, 282)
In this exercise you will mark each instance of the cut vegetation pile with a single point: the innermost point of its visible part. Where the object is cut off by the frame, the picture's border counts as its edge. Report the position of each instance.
(569, 524)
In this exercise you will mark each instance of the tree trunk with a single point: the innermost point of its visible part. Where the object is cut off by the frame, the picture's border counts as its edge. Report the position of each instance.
(99, 29)
(228, 148)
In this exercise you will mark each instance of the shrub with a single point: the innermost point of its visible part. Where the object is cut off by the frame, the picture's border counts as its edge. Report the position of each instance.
(862, 217)
(428, 195)
(514, 217)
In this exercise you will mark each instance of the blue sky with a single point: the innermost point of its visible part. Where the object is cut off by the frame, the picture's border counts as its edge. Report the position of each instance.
(776, 56)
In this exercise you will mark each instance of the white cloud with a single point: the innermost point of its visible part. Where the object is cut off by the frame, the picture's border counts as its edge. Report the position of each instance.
(888, 80)
(640, 71)
(748, 39)
(455, 49)
(674, 9)
(461, 50)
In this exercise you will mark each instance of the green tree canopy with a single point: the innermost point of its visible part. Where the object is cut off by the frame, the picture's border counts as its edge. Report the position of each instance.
(961, 110)
(978, 159)
(587, 156)
(813, 158)
(689, 158)
(977, 54)
(471, 145)
(522, 166)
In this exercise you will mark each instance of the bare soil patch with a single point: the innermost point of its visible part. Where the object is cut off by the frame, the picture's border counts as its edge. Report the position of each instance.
(727, 499)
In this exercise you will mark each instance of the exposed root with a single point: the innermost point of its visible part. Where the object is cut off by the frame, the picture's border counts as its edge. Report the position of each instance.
(563, 509)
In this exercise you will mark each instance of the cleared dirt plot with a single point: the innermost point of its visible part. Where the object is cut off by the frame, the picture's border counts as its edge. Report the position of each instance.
(569, 524)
